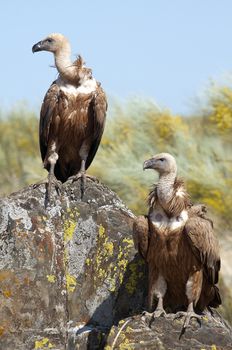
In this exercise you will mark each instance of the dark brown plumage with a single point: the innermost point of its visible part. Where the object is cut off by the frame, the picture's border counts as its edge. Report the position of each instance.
(176, 239)
(72, 115)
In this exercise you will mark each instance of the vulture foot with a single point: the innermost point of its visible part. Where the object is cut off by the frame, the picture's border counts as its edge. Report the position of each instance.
(48, 182)
(188, 315)
(82, 176)
(159, 312)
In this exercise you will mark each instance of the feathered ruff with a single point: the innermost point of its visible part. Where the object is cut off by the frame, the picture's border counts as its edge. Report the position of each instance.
(179, 201)
(77, 74)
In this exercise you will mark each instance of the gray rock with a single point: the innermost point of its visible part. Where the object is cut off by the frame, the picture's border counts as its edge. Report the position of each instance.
(65, 267)
(69, 273)
(139, 333)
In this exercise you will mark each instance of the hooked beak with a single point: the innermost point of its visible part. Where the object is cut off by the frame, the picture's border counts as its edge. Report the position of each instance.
(149, 164)
(37, 47)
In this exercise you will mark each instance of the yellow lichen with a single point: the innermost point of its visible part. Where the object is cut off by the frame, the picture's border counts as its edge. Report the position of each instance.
(109, 247)
(213, 347)
(87, 261)
(129, 329)
(43, 344)
(123, 263)
(125, 343)
(70, 218)
(70, 283)
(102, 273)
(129, 242)
(51, 278)
(104, 252)
(112, 283)
(69, 228)
(70, 223)
(101, 231)
(205, 318)
(132, 281)
(7, 293)
(2, 330)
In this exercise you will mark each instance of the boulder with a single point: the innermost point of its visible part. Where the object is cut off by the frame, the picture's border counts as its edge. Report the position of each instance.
(68, 271)
(70, 277)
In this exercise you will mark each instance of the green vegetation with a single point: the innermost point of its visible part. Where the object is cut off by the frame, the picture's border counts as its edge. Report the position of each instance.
(20, 162)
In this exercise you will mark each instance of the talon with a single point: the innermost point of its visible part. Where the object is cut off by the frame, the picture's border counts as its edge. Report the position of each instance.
(159, 312)
(43, 182)
(147, 314)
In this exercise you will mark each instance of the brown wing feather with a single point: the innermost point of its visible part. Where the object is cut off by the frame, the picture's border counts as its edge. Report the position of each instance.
(141, 235)
(99, 105)
(49, 110)
(204, 245)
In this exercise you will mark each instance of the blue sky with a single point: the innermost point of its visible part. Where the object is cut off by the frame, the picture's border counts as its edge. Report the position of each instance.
(167, 50)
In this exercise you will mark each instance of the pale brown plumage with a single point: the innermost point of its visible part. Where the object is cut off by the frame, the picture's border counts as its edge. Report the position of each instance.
(72, 115)
(176, 239)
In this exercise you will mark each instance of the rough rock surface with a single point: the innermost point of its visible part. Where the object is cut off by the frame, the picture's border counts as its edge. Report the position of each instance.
(69, 273)
(139, 333)
(66, 266)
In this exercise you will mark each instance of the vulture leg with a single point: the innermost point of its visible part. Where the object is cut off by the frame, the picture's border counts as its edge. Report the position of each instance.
(83, 153)
(52, 180)
(193, 291)
(157, 288)
(83, 177)
(159, 311)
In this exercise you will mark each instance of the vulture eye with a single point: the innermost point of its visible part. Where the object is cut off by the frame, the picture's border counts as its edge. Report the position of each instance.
(161, 159)
(49, 40)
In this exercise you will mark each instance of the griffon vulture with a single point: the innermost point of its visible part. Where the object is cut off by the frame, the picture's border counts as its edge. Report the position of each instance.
(72, 115)
(176, 239)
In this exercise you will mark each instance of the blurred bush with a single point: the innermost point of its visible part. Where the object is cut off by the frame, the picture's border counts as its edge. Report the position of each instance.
(20, 162)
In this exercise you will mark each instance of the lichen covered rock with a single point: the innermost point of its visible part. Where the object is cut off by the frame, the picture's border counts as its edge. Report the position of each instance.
(141, 333)
(70, 277)
(66, 266)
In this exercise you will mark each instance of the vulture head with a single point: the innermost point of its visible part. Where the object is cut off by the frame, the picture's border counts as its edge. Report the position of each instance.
(163, 163)
(54, 43)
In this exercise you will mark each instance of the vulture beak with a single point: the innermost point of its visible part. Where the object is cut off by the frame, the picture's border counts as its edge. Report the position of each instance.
(37, 47)
(149, 164)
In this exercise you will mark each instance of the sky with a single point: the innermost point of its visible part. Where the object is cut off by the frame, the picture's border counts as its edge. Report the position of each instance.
(164, 50)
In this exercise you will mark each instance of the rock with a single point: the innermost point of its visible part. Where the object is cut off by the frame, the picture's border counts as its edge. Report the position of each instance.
(68, 272)
(70, 277)
(164, 334)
